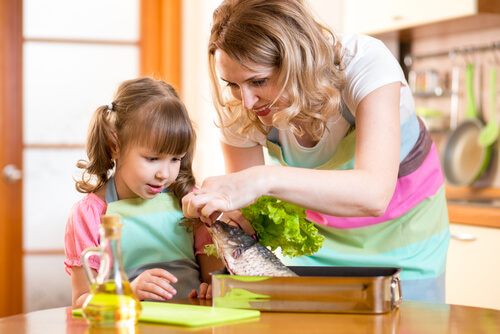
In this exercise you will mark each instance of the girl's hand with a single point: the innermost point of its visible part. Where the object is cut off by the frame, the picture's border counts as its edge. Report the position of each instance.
(205, 292)
(154, 284)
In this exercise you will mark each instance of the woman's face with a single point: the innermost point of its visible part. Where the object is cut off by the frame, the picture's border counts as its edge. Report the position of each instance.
(256, 89)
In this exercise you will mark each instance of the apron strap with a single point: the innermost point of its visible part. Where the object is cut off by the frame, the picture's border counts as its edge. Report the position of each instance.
(346, 114)
(111, 194)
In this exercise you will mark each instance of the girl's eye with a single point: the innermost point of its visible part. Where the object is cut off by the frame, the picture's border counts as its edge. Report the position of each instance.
(151, 158)
(176, 159)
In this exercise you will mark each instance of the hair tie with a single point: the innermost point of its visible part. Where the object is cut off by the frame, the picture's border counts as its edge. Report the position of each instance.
(110, 106)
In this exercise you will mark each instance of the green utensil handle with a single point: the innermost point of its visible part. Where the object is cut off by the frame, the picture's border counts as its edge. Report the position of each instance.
(470, 110)
(493, 90)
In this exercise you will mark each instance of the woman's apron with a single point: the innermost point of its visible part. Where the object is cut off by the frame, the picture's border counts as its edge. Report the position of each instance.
(413, 234)
(153, 238)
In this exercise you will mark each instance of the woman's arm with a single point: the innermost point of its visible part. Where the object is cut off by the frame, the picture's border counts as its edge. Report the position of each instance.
(238, 158)
(364, 191)
(368, 188)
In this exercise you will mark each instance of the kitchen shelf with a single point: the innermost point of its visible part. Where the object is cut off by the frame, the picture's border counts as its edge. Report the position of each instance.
(387, 16)
(474, 206)
(470, 193)
(446, 93)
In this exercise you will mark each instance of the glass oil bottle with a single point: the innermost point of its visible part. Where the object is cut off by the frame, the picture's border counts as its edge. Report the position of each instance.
(111, 301)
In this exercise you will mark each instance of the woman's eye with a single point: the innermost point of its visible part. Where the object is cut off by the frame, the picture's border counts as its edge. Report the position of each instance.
(232, 85)
(259, 82)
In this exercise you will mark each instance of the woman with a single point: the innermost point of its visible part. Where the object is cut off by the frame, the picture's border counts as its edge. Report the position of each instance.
(337, 118)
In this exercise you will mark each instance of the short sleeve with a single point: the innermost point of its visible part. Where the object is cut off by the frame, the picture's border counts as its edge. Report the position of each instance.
(82, 231)
(201, 238)
(369, 65)
(229, 135)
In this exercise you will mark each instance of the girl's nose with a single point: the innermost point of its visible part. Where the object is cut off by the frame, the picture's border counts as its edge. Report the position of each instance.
(163, 173)
(248, 98)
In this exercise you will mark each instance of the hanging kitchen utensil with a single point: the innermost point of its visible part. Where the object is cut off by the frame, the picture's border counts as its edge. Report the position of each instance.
(455, 82)
(490, 132)
(464, 160)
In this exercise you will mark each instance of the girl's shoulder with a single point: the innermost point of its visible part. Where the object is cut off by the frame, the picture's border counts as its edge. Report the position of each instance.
(89, 208)
(91, 201)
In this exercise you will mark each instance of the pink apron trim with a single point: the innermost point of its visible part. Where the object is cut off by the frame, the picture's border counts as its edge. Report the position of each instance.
(410, 191)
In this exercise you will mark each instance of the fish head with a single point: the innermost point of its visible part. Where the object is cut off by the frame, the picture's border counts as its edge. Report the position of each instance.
(230, 241)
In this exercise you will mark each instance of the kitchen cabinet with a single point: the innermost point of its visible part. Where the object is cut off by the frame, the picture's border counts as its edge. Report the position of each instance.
(374, 17)
(473, 266)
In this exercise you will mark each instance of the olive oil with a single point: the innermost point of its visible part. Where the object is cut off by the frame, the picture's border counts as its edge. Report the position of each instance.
(111, 301)
(108, 305)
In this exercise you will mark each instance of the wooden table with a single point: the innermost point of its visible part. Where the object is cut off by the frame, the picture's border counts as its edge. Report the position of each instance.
(412, 317)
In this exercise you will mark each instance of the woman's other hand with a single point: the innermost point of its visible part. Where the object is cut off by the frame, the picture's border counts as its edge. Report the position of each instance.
(235, 218)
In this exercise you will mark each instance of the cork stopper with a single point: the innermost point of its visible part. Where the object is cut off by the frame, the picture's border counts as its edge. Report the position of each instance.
(111, 224)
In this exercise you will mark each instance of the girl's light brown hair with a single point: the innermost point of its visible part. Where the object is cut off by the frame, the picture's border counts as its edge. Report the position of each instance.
(283, 36)
(145, 112)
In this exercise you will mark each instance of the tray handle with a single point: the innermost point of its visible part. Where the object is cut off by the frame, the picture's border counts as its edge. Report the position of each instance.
(396, 282)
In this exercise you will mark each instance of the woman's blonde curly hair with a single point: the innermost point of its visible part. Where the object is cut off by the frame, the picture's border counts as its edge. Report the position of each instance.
(283, 36)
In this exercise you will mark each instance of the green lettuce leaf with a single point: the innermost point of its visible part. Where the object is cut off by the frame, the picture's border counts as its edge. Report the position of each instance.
(284, 225)
(210, 250)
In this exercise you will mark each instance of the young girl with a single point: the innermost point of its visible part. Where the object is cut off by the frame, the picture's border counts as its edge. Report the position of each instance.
(147, 137)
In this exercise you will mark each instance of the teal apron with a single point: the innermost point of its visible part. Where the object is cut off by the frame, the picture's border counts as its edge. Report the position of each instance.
(153, 238)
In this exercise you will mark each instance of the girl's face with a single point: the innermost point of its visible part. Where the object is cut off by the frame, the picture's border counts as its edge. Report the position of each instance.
(141, 172)
(255, 89)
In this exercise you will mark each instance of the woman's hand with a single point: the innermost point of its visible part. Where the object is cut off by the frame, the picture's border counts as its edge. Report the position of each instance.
(154, 284)
(225, 193)
(235, 218)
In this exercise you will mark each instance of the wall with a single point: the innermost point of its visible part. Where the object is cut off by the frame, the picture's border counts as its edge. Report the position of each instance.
(443, 43)
(71, 66)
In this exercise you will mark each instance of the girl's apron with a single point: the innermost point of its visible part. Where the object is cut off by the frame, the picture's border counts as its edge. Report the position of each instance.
(153, 238)
(413, 234)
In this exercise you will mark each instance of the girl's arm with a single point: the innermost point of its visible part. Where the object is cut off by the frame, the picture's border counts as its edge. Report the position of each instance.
(364, 191)
(207, 265)
(79, 286)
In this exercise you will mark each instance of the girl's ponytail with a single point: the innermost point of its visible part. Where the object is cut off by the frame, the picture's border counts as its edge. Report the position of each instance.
(100, 144)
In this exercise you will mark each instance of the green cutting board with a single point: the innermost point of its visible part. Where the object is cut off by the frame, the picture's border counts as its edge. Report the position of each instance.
(188, 315)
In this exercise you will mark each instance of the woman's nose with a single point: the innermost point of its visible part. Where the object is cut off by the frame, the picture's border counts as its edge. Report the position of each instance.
(248, 98)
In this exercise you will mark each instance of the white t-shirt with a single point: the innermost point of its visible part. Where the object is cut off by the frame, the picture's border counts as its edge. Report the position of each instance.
(369, 65)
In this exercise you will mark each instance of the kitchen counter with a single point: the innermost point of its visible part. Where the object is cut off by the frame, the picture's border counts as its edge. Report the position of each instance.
(471, 206)
(412, 317)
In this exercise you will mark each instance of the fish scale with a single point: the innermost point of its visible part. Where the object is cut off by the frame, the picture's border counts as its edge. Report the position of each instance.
(243, 255)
